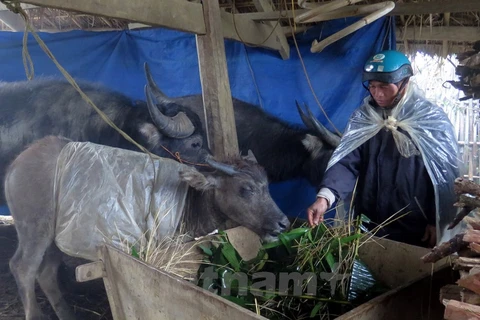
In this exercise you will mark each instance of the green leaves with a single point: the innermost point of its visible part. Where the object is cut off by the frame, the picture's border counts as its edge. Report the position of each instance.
(231, 255)
(206, 250)
(316, 309)
(135, 253)
(319, 251)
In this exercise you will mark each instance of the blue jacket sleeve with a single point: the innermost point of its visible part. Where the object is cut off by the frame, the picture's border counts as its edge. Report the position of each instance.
(341, 177)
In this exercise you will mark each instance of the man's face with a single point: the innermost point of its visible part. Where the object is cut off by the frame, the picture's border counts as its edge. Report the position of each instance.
(383, 93)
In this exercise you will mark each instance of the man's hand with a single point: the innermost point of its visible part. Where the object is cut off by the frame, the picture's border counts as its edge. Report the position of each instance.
(316, 211)
(430, 236)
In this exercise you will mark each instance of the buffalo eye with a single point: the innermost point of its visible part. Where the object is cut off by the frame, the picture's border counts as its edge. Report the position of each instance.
(196, 145)
(246, 191)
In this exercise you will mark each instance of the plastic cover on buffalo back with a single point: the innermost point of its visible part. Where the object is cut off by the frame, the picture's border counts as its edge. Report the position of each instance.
(431, 135)
(104, 194)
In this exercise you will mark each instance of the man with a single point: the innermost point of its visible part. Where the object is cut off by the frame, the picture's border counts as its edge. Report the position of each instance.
(402, 150)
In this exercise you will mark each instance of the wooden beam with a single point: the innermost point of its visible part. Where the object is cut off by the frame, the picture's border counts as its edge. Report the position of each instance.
(287, 31)
(245, 30)
(173, 14)
(438, 6)
(217, 98)
(266, 6)
(459, 34)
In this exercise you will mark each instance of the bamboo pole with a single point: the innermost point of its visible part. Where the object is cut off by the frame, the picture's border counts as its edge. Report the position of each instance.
(381, 10)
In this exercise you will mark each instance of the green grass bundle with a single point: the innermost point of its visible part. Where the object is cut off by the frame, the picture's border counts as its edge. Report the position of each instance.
(307, 273)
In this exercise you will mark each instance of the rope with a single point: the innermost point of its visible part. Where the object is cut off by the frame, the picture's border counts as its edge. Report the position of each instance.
(284, 2)
(253, 78)
(308, 77)
(14, 6)
(391, 123)
(238, 34)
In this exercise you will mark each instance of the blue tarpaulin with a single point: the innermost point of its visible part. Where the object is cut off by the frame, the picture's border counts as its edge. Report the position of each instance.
(258, 76)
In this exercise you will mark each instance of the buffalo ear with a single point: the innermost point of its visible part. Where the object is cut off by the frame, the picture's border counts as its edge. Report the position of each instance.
(150, 133)
(250, 157)
(313, 144)
(197, 180)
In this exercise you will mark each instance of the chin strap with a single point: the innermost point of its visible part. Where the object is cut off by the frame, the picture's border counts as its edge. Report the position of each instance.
(399, 95)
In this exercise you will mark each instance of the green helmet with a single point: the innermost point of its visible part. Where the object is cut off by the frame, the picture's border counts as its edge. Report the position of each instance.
(388, 66)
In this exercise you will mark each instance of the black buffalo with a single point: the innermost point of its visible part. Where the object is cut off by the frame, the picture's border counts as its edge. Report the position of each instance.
(33, 109)
(236, 191)
(284, 150)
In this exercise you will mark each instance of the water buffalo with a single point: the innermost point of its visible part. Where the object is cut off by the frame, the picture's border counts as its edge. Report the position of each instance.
(284, 150)
(33, 109)
(237, 190)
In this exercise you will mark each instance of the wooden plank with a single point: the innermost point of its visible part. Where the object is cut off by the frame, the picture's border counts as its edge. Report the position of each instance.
(111, 286)
(438, 6)
(150, 294)
(240, 28)
(289, 31)
(265, 6)
(217, 98)
(386, 260)
(413, 300)
(173, 14)
(469, 34)
(90, 271)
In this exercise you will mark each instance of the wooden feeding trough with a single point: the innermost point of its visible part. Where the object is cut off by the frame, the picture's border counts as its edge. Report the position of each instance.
(136, 290)
(414, 284)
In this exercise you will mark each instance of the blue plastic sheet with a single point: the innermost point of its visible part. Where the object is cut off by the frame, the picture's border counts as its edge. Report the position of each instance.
(116, 59)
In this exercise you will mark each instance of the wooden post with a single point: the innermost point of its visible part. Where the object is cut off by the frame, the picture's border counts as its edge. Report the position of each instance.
(217, 99)
(446, 19)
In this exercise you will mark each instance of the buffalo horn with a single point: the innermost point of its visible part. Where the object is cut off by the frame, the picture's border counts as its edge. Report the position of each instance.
(327, 136)
(225, 168)
(304, 117)
(178, 126)
(159, 95)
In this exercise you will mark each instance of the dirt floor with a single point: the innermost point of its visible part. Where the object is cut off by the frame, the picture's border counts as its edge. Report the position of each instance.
(88, 300)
